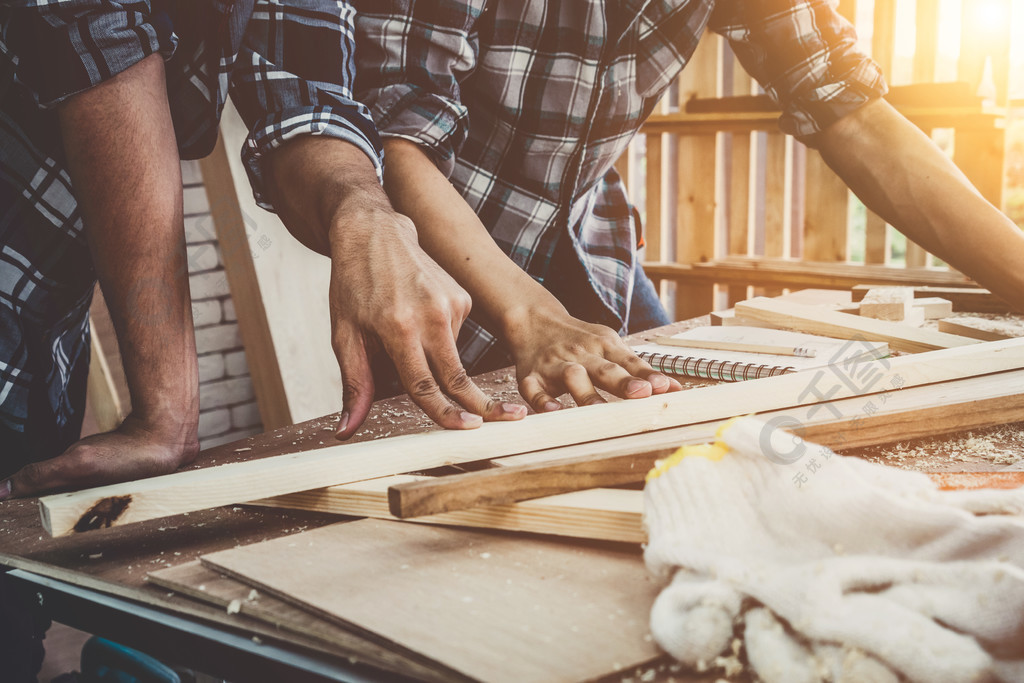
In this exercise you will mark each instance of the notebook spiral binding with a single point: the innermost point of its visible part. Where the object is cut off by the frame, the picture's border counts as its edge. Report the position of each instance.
(726, 371)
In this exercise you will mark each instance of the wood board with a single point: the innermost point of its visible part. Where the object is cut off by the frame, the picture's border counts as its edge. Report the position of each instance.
(493, 607)
(201, 583)
(226, 484)
(967, 299)
(815, 320)
(597, 513)
(978, 328)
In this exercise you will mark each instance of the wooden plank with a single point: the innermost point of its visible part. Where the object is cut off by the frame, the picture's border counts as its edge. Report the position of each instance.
(194, 580)
(978, 328)
(825, 212)
(888, 303)
(800, 275)
(597, 513)
(883, 35)
(903, 415)
(973, 300)
(815, 320)
(187, 491)
(245, 289)
(921, 411)
(698, 181)
(652, 199)
(101, 392)
(934, 307)
(493, 607)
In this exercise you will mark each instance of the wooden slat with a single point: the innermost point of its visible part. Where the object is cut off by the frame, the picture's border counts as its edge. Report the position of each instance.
(927, 42)
(814, 320)
(496, 608)
(797, 274)
(960, 327)
(921, 411)
(101, 393)
(187, 491)
(698, 171)
(599, 514)
(825, 212)
(972, 300)
(876, 239)
(245, 289)
(883, 35)
(654, 223)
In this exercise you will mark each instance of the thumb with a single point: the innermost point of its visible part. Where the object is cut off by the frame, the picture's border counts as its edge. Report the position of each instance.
(356, 379)
(36, 477)
(692, 618)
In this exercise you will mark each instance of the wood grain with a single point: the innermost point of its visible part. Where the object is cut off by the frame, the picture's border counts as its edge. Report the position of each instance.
(973, 299)
(195, 581)
(202, 489)
(851, 423)
(492, 607)
(598, 514)
(815, 320)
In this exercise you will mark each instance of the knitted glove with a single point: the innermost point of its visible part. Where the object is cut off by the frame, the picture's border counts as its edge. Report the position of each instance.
(837, 568)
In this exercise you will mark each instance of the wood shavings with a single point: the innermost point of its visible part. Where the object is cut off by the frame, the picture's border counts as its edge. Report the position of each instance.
(996, 446)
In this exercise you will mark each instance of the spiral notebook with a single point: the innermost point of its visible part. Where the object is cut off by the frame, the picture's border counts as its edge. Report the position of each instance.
(735, 366)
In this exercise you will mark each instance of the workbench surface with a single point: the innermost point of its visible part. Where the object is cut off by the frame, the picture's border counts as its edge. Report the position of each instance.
(115, 561)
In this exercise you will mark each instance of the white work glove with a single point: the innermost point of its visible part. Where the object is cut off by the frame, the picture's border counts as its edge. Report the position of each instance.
(832, 568)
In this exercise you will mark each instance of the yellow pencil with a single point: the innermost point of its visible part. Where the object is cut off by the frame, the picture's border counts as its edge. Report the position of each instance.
(735, 346)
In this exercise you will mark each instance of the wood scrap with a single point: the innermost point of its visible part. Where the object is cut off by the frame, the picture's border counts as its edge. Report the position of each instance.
(599, 514)
(493, 607)
(934, 307)
(233, 483)
(201, 583)
(968, 299)
(889, 303)
(980, 328)
(816, 320)
(851, 423)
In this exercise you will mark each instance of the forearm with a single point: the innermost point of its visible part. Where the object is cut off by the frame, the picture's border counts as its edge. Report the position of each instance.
(314, 180)
(900, 174)
(452, 234)
(123, 160)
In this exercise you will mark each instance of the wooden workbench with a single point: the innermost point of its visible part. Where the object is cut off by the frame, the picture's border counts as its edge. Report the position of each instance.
(115, 561)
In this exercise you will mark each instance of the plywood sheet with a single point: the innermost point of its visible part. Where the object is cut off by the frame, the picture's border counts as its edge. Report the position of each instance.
(493, 607)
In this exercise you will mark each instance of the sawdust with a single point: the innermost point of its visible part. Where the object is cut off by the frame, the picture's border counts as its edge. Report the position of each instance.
(995, 446)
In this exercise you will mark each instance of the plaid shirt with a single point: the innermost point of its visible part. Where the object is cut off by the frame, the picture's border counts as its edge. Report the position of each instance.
(289, 67)
(526, 104)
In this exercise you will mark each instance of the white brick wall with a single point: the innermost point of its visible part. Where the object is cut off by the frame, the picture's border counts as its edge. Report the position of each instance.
(227, 406)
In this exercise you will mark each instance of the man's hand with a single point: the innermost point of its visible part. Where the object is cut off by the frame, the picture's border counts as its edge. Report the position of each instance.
(385, 290)
(554, 352)
(123, 160)
(132, 451)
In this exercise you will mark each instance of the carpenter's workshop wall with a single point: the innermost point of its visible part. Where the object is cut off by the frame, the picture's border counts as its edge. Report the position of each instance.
(227, 406)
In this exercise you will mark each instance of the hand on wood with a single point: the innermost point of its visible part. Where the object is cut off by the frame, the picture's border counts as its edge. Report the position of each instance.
(134, 450)
(386, 291)
(556, 354)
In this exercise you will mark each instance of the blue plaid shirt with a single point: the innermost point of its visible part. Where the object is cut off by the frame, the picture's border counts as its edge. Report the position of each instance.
(289, 69)
(527, 104)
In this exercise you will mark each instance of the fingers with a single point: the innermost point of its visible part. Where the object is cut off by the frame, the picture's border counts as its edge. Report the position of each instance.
(638, 367)
(532, 389)
(418, 380)
(356, 379)
(457, 384)
(64, 471)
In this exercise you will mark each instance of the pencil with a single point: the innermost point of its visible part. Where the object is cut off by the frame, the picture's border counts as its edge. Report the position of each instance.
(735, 346)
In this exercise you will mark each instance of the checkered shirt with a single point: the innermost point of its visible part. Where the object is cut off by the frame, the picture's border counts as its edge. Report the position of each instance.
(526, 104)
(289, 68)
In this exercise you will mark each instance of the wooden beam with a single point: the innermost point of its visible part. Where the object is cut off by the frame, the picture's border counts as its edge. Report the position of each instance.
(596, 513)
(985, 330)
(973, 300)
(817, 320)
(910, 413)
(191, 490)
(101, 392)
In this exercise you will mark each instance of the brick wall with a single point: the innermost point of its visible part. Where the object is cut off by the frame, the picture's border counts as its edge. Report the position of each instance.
(227, 406)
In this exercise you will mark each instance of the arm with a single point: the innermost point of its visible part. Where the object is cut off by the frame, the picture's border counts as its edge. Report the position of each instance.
(123, 160)
(554, 353)
(384, 289)
(900, 174)
(314, 153)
